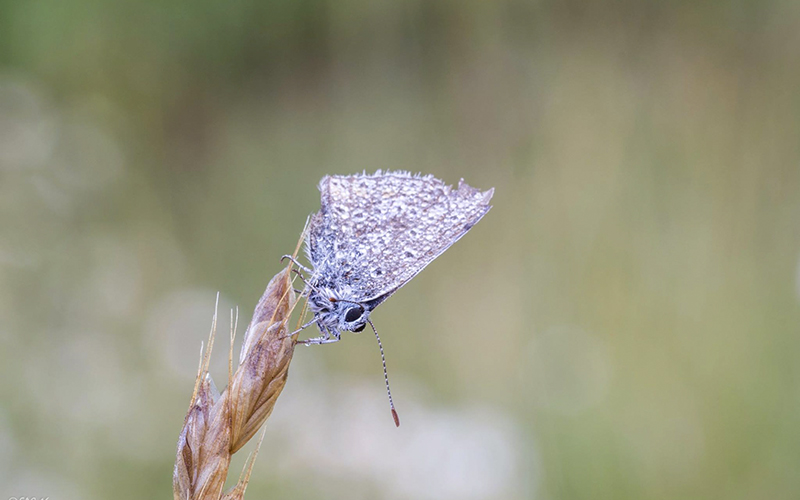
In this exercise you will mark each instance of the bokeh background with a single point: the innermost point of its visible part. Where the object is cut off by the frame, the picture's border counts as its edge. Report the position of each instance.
(622, 325)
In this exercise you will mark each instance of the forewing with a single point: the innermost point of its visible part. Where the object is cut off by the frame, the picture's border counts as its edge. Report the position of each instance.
(376, 232)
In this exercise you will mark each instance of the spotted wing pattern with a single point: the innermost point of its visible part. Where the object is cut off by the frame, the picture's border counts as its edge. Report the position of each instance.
(376, 232)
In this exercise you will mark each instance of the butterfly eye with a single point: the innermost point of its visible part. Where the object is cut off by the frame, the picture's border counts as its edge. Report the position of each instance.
(358, 329)
(353, 314)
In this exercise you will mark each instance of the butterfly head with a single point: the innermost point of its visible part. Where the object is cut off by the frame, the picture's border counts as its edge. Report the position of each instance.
(337, 313)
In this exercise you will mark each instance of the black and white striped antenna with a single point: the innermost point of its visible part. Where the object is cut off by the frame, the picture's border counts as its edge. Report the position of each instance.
(385, 376)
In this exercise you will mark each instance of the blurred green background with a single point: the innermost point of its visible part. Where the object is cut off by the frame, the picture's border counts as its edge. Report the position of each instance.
(622, 325)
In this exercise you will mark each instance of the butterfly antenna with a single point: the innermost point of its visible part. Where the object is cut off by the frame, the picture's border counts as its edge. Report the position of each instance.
(385, 375)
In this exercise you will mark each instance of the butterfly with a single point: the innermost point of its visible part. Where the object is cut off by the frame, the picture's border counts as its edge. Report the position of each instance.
(372, 235)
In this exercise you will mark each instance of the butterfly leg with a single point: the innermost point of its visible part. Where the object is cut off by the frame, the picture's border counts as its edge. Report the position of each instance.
(294, 261)
(308, 285)
(299, 330)
(303, 327)
(302, 278)
(325, 338)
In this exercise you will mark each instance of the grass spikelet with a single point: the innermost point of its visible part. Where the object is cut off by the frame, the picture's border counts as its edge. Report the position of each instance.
(216, 426)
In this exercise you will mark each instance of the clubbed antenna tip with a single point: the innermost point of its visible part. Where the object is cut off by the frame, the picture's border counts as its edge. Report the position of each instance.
(385, 376)
(395, 417)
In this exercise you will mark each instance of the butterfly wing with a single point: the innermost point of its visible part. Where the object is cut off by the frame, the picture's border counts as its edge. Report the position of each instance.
(376, 232)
